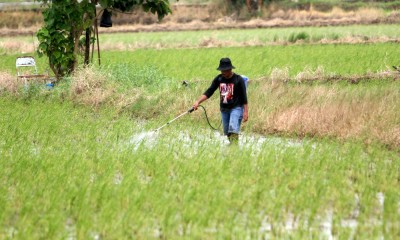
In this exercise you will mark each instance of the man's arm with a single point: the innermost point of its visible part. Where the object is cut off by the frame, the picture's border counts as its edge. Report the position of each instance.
(245, 104)
(200, 100)
(207, 94)
(245, 113)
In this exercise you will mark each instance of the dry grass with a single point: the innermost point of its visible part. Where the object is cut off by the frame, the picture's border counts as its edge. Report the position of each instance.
(200, 17)
(319, 74)
(364, 15)
(17, 46)
(205, 17)
(326, 110)
(328, 119)
(370, 14)
(22, 46)
(90, 87)
(20, 19)
(9, 84)
(5, 31)
(94, 88)
(360, 118)
(310, 74)
(279, 75)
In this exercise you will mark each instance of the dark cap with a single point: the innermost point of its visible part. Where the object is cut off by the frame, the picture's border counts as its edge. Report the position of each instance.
(225, 64)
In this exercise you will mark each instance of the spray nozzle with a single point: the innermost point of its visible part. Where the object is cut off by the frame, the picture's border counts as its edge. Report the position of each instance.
(191, 110)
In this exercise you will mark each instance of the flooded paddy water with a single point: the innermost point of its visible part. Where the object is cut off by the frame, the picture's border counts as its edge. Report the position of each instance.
(196, 139)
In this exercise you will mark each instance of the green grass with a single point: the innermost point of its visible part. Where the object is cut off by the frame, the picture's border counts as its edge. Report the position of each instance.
(260, 61)
(252, 61)
(70, 171)
(255, 62)
(241, 36)
(231, 37)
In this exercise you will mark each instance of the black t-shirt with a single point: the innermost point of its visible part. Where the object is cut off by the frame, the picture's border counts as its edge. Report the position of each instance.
(232, 91)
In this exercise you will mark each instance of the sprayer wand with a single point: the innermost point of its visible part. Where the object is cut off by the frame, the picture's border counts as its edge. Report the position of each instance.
(188, 111)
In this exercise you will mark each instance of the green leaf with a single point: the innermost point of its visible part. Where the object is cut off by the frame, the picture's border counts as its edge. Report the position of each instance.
(57, 54)
(43, 47)
(105, 3)
(146, 7)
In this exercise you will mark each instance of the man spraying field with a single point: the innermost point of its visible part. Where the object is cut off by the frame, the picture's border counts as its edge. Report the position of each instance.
(233, 99)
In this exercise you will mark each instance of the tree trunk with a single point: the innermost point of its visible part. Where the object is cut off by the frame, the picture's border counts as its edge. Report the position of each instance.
(87, 46)
(76, 49)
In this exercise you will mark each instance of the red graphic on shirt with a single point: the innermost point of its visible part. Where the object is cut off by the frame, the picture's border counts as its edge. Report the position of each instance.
(226, 92)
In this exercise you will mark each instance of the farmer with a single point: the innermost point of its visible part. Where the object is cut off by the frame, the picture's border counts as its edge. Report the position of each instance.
(233, 99)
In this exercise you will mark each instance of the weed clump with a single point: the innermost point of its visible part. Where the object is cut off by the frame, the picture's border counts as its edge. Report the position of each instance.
(9, 84)
(90, 86)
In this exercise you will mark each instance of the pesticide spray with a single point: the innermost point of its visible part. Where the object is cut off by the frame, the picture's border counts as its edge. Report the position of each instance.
(150, 136)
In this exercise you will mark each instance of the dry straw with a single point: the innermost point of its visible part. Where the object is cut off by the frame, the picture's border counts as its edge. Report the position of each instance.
(90, 87)
(9, 83)
(93, 87)
(330, 110)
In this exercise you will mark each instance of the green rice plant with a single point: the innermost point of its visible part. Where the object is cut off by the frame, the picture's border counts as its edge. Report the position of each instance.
(72, 172)
(222, 38)
(186, 64)
(240, 37)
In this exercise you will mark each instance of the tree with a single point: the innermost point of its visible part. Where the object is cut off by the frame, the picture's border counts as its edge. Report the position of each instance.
(65, 21)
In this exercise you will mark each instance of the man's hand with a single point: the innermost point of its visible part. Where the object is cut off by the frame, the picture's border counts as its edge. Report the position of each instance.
(245, 117)
(200, 100)
(196, 105)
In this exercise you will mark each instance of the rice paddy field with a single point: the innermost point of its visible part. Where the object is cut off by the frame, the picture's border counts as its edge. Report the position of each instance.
(318, 158)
